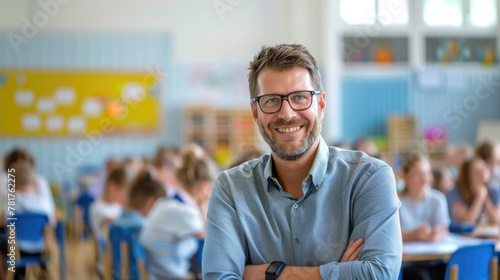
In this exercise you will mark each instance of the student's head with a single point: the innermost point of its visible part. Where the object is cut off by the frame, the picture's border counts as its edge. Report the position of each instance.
(133, 165)
(166, 161)
(416, 172)
(25, 178)
(442, 179)
(366, 145)
(116, 188)
(144, 192)
(474, 174)
(290, 126)
(489, 151)
(17, 154)
(459, 153)
(197, 172)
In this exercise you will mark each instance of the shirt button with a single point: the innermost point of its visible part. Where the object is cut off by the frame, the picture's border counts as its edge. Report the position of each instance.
(295, 206)
(296, 240)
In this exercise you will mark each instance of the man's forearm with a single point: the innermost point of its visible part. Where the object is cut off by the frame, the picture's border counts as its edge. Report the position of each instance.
(258, 272)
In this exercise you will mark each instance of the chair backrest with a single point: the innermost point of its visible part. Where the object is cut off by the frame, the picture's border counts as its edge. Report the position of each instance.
(84, 201)
(30, 226)
(472, 261)
(126, 251)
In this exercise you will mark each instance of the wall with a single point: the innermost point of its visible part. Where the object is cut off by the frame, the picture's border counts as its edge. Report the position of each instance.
(181, 37)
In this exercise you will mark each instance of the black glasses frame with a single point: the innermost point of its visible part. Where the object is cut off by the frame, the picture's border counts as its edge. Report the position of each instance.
(285, 97)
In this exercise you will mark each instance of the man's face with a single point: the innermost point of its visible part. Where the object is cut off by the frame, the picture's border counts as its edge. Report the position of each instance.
(289, 133)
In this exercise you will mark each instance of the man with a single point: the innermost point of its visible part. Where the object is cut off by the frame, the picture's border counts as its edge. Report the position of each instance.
(306, 211)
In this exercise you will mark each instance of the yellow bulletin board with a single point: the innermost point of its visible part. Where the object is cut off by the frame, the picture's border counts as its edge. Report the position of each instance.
(67, 103)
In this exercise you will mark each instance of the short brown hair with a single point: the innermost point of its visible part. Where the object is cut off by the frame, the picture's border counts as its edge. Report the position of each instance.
(24, 172)
(144, 187)
(119, 176)
(18, 154)
(283, 57)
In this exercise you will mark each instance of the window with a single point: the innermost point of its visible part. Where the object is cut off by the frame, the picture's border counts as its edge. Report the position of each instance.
(358, 11)
(443, 12)
(482, 13)
(385, 12)
(451, 13)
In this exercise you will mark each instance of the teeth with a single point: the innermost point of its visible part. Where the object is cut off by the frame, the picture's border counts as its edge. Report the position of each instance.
(289, 129)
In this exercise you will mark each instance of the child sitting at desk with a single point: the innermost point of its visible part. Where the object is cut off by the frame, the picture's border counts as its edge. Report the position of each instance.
(472, 201)
(109, 207)
(423, 215)
(28, 199)
(424, 210)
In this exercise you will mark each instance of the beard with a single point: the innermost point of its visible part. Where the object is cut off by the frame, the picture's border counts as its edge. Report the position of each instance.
(291, 152)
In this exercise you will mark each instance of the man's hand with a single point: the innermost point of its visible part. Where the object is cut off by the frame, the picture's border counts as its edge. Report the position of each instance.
(352, 251)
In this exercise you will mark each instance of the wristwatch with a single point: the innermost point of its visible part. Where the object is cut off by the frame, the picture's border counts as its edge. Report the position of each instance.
(274, 270)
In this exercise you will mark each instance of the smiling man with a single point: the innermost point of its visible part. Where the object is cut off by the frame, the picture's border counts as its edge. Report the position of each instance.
(305, 211)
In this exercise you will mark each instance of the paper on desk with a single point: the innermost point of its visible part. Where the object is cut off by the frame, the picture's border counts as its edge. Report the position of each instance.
(449, 245)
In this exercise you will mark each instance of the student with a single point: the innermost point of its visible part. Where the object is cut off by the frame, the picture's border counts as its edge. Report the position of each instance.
(489, 151)
(41, 186)
(424, 211)
(166, 161)
(142, 195)
(307, 211)
(457, 154)
(108, 208)
(442, 180)
(472, 201)
(423, 214)
(172, 228)
(28, 199)
(96, 187)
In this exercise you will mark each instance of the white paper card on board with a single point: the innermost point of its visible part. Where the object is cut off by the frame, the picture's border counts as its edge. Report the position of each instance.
(24, 97)
(133, 92)
(30, 122)
(65, 95)
(92, 107)
(77, 124)
(54, 123)
(45, 105)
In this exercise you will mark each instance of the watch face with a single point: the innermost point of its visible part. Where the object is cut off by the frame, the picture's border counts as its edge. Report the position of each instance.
(274, 270)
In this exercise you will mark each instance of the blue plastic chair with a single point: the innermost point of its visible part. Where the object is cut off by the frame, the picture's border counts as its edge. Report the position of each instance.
(31, 227)
(83, 201)
(476, 262)
(128, 258)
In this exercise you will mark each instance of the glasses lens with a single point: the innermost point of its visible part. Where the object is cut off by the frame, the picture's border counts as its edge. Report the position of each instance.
(270, 103)
(300, 100)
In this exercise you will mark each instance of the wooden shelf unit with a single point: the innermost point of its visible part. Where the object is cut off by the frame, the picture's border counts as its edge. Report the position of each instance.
(223, 132)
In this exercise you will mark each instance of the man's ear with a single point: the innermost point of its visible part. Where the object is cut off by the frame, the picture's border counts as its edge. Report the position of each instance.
(322, 103)
(254, 110)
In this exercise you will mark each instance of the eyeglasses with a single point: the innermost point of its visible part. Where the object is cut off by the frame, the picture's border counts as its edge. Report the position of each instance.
(298, 100)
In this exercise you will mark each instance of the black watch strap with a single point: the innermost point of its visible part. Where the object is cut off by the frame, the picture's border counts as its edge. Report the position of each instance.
(274, 270)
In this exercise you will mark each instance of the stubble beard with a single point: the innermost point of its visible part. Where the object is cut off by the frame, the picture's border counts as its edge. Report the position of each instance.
(305, 144)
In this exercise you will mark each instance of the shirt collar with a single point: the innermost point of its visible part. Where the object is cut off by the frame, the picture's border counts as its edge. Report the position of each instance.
(318, 169)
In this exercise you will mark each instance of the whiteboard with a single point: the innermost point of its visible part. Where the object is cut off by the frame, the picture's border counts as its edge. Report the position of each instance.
(488, 130)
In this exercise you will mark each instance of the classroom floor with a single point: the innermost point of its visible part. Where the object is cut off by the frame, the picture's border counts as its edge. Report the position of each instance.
(80, 260)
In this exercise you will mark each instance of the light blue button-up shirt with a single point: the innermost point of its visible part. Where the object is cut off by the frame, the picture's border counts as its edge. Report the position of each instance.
(347, 196)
